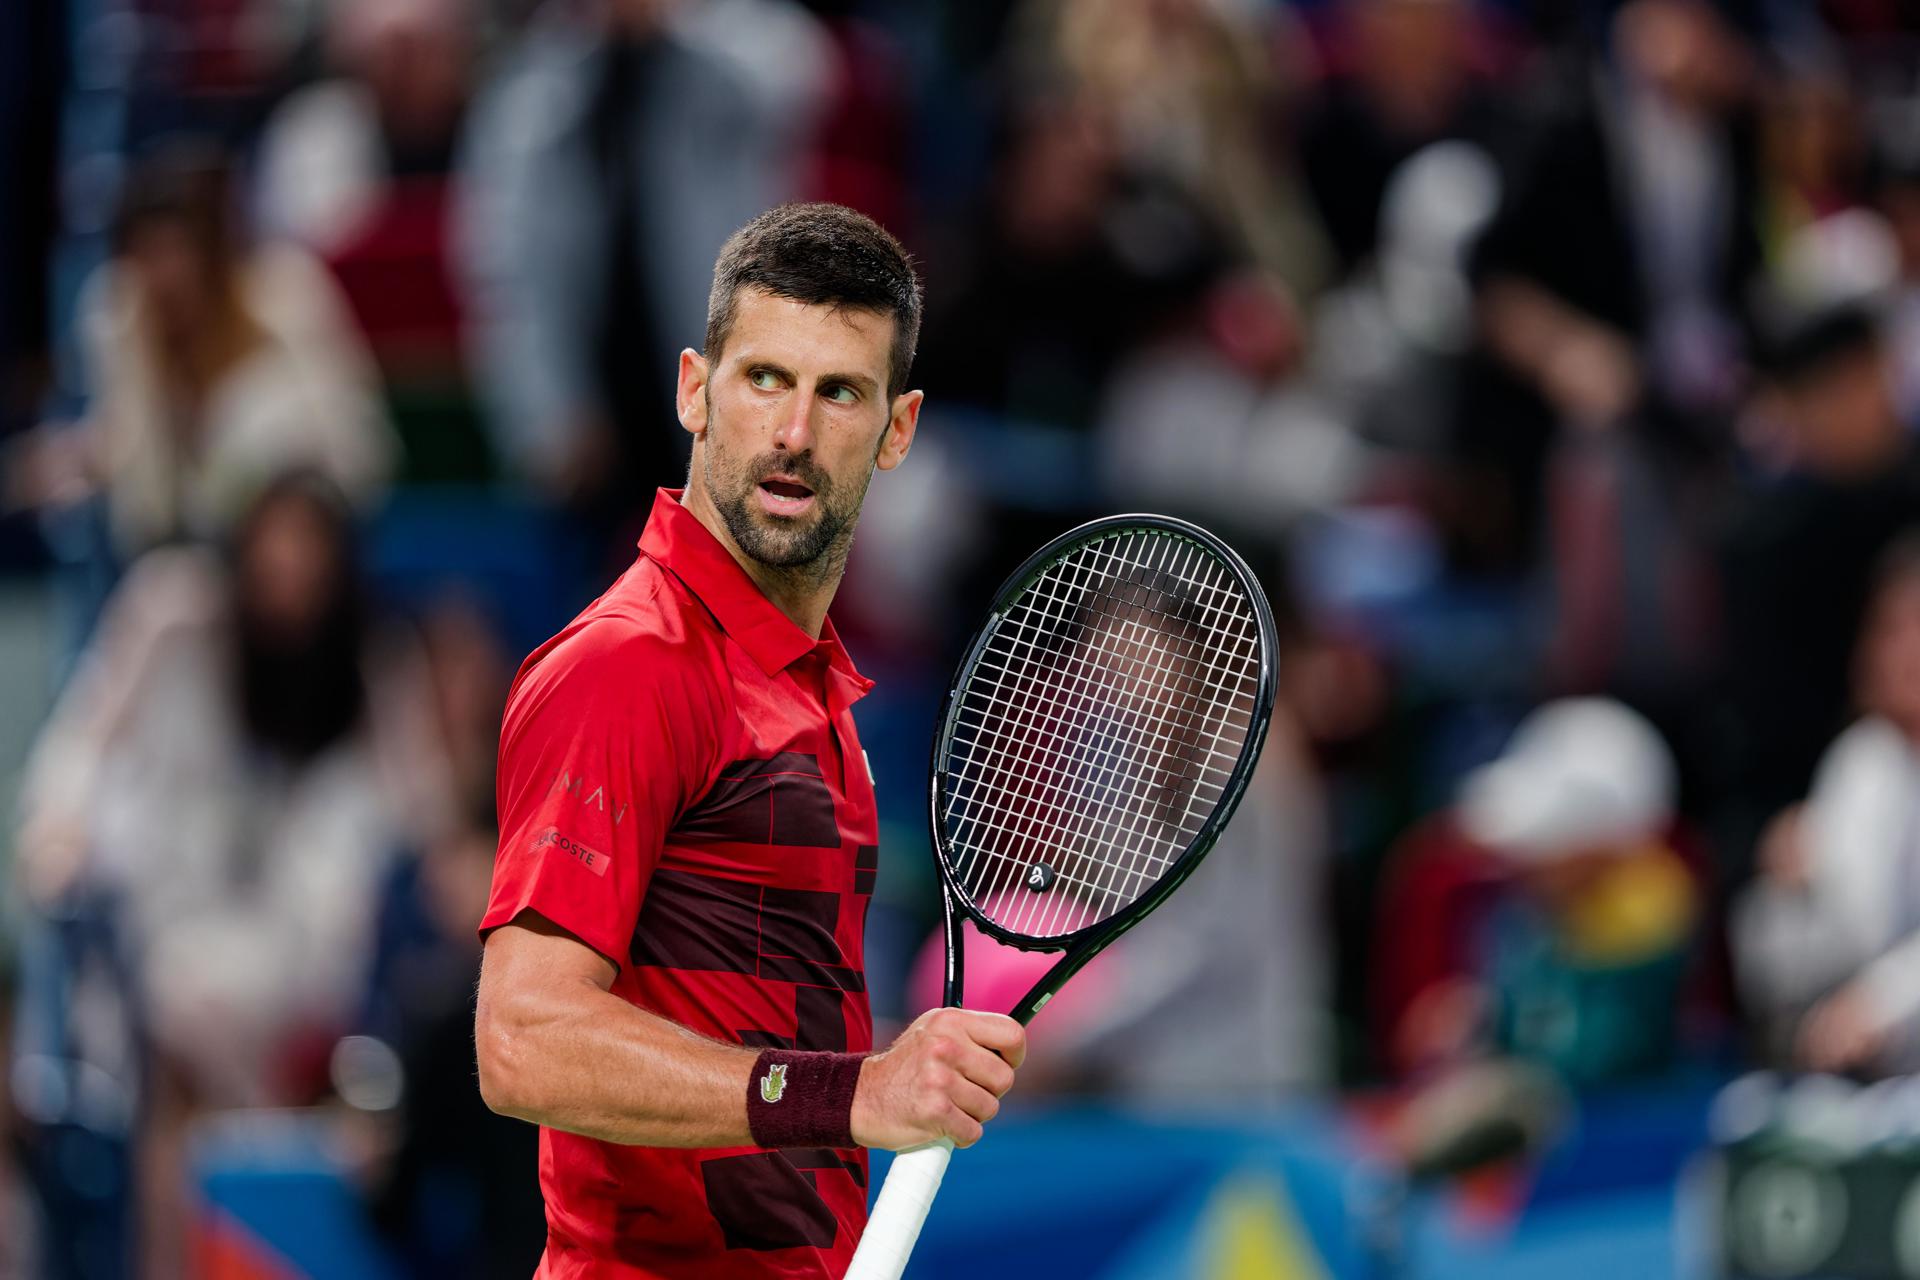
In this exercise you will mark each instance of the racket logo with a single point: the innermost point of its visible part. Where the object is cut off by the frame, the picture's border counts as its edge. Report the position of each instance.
(1040, 878)
(774, 1083)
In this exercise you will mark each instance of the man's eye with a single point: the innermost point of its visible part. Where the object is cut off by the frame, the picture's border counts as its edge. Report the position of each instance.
(763, 379)
(842, 394)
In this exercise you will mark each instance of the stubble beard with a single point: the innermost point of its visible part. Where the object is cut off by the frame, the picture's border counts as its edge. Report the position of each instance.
(807, 551)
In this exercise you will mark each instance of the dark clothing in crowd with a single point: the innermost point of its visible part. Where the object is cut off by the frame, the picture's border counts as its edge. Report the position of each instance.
(1033, 330)
(1591, 217)
(1797, 563)
(1349, 154)
(457, 1199)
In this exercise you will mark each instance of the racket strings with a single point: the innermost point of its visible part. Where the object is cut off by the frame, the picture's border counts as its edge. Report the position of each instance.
(1110, 734)
(1121, 877)
(1109, 739)
(1099, 730)
(1145, 863)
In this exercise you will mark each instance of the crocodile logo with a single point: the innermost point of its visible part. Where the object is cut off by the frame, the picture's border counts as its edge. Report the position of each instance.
(774, 1083)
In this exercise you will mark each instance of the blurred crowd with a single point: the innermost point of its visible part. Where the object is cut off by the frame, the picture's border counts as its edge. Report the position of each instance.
(1555, 362)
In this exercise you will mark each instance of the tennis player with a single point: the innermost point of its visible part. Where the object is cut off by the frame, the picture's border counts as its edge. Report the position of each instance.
(673, 983)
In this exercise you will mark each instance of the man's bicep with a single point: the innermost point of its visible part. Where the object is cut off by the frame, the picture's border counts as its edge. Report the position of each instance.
(533, 976)
(532, 950)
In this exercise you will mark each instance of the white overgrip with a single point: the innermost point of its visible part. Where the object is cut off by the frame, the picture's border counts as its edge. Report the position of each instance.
(900, 1212)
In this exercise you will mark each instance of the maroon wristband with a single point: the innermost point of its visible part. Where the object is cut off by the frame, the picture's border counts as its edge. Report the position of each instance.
(801, 1099)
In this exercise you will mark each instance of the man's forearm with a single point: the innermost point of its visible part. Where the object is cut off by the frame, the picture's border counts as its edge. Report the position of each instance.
(590, 1063)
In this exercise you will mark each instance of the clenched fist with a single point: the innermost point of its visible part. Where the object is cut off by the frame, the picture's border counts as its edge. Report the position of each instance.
(943, 1078)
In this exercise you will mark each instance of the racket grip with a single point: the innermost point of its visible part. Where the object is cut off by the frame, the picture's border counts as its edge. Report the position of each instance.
(905, 1197)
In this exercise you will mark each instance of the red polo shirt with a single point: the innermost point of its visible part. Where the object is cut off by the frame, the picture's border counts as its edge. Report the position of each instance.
(681, 787)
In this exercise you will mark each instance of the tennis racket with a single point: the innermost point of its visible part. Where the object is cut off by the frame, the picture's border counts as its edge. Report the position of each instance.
(1099, 733)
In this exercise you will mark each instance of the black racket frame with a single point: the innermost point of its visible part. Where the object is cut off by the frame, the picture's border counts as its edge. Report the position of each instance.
(1083, 944)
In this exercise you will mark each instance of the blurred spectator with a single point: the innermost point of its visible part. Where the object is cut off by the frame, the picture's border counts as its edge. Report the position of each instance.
(240, 751)
(450, 1189)
(233, 767)
(1574, 963)
(1402, 77)
(213, 366)
(1613, 280)
(1815, 151)
(1390, 339)
(1194, 91)
(357, 166)
(1378, 365)
(862, 152)
(454, 1197)
(1643, 176)
(1068, 265)
(331, 151)
(1840, 477)
(1828, 939)
(602, 169)
(1189, 103)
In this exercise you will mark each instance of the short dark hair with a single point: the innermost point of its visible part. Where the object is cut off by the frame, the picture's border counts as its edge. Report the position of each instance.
(820, 254)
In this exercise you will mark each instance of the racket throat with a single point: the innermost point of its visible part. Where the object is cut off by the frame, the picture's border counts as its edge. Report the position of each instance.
(1050, 982)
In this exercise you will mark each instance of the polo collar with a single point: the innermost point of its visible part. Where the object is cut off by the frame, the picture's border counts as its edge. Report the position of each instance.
(676, 539)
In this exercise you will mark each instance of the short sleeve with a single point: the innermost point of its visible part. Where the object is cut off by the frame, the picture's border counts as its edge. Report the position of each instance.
(600, 751)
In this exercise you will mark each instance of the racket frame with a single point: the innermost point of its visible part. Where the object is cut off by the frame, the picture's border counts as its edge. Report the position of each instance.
(1084, 943)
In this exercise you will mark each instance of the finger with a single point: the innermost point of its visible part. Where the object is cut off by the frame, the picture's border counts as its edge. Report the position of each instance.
(974, 1100)
(985, 1068)
(1000, 1033)
(962, 1128)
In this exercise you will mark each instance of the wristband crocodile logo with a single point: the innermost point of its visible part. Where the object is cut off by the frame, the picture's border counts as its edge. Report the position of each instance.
(774, 1083)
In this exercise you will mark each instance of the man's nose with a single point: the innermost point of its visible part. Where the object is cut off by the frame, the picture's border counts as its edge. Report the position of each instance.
(795, 430)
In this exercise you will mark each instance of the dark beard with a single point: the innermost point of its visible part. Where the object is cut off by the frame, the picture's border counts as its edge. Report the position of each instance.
(810, 550)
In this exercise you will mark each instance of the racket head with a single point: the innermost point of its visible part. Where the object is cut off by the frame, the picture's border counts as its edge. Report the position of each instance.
(1125, 674)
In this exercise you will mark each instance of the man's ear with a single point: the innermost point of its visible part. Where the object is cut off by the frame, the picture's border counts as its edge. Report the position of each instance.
(898, 437)
(690, 392)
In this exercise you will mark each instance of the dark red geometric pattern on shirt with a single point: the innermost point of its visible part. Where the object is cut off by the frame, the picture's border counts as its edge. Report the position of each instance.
(781, 801)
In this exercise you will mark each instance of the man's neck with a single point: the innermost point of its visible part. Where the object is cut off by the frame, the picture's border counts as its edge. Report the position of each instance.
(803, 594)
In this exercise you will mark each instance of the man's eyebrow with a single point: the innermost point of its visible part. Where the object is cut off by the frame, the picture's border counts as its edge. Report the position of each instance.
(858, 381)
(754, 364)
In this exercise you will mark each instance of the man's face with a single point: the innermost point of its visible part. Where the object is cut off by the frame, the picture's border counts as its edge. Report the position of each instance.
(789, 423)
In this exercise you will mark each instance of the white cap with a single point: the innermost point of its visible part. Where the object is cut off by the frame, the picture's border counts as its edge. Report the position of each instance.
(1577, 774)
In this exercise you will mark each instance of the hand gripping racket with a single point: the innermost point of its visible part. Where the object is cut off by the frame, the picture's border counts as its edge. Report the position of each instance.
(1098, 736)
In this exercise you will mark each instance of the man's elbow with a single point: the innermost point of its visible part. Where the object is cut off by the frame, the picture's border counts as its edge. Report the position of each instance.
(501, 1052)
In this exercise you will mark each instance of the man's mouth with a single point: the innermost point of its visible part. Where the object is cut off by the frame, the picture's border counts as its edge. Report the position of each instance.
(784, 496)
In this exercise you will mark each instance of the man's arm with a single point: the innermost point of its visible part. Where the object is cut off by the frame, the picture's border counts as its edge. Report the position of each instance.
(556, 1047)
